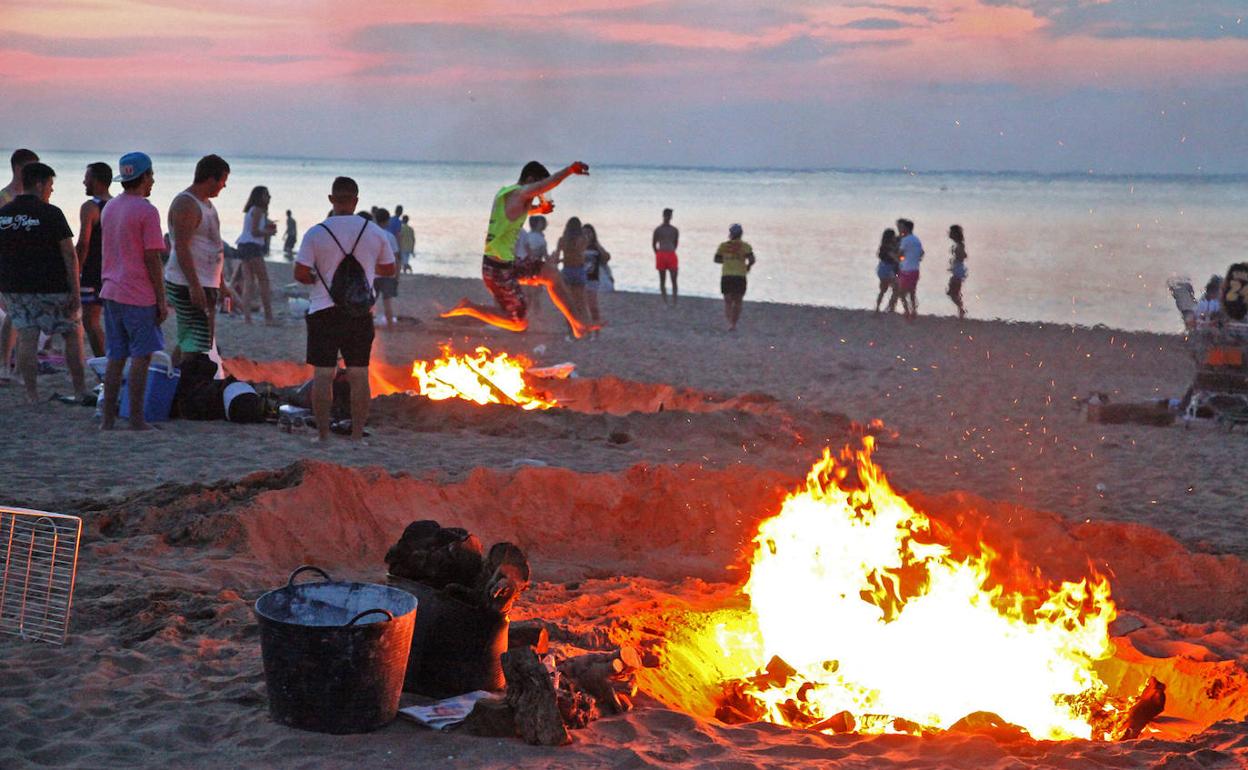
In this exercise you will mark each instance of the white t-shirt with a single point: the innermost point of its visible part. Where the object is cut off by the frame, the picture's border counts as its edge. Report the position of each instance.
(530, 244)
(319, 252)
(911, 253)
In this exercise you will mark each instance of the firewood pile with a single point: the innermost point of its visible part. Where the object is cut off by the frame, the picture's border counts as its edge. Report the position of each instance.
(546, 697)
(452, 560)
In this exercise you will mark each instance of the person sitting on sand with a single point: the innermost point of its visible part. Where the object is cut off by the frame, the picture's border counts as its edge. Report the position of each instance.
(197, 259)
(134, 294)
(334, 330)
(737, 258)
(886, 269)
(1210, 305)
(664, 242)
(502, 272)
(957, 268)
(39, 277)
(908, 273)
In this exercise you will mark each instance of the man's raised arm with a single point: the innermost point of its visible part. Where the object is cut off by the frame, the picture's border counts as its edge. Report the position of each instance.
(518, 201)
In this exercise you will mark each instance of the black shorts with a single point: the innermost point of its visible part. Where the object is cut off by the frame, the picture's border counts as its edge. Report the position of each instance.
(387, 287)
(732, 285)
(332, 331)
(250, 251)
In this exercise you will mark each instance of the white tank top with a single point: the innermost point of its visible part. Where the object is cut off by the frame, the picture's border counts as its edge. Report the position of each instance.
(206, 250)
(262, 221)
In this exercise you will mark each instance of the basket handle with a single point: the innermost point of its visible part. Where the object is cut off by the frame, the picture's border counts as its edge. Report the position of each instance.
(308, 568)
(389, 615)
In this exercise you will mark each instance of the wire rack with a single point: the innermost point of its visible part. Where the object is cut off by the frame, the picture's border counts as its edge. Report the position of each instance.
(38, 566)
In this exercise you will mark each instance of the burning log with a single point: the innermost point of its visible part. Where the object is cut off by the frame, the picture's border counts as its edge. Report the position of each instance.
(1144, 708)
(531, 696)
(989, 724)
(840, 722)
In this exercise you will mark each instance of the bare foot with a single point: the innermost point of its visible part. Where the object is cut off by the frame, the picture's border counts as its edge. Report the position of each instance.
(320, 440)
(143, 426)
(457, 310)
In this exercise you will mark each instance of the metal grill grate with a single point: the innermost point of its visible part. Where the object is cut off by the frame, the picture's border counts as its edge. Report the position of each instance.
(38, 565)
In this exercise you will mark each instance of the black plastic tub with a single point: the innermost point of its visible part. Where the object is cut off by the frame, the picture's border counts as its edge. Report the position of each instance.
(456, 648)
(335, 653)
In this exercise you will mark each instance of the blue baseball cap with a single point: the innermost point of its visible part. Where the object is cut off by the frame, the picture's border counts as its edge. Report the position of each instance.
(132, 166)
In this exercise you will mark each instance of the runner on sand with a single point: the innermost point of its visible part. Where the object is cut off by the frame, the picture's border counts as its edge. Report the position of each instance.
(503, 272)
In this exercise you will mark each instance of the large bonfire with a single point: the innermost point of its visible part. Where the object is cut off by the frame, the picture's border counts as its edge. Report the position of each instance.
(859, 619)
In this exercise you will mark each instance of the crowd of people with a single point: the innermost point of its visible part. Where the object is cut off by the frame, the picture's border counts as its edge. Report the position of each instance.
(123, 276)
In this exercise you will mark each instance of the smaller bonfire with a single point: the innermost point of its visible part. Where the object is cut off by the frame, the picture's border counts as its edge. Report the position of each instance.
(484, 377)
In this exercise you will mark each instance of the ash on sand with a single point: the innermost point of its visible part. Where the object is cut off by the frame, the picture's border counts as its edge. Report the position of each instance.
(162, 665)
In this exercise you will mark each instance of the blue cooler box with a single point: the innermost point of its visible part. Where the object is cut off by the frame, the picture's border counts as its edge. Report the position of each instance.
(162, 383)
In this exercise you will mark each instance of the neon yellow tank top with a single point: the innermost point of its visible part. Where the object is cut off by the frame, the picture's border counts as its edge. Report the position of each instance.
(500, 237)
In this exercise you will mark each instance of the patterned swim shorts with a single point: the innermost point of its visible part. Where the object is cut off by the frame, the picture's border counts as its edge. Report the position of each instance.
(503, 281)
(49, 313)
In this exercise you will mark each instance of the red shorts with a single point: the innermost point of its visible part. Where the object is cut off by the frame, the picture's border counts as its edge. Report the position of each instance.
(908, 281)
(665, 260)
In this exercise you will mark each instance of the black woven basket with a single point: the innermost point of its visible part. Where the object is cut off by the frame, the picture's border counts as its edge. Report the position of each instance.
(335, 653)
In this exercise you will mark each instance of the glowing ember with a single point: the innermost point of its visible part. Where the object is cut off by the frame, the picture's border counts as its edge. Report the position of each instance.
(874, 618)
(484, 377)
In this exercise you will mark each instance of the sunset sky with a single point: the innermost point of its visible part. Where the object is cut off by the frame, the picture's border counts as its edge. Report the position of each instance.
(1049, 85)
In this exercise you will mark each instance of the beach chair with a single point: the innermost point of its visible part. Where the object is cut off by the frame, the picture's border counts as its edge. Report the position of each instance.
(1220, 386)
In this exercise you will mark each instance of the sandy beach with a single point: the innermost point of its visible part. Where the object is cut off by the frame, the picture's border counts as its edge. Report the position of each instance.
(637, 500)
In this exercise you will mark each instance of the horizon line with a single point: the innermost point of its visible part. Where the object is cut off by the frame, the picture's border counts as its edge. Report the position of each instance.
(905, 170)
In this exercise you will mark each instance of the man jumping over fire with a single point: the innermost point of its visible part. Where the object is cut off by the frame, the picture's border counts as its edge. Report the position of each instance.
(503, 271)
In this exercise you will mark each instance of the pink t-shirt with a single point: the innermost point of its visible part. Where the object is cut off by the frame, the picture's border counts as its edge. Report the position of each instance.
(129, 226)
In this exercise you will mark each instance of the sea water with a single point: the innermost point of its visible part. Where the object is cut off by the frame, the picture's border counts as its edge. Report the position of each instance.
(1067, 248)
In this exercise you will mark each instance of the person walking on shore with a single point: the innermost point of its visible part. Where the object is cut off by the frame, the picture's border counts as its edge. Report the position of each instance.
(957, 268)
(39, 277)
(8, 336)
(344, 329)
(193, 273)
(596, 259)
(664, 242)
(737, 257)
(387, 287)
(908, 273)
(290, 236)
(407, 244)
(257, 229)
(888, 258)
(502, 272)
(95, 182)
(133, 292)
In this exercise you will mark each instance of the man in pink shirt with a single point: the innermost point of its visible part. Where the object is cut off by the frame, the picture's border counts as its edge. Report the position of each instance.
(134, 290)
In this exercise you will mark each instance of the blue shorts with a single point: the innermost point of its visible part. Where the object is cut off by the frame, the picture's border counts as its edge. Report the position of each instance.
(574, 276)
(131, 330)
(885, 272)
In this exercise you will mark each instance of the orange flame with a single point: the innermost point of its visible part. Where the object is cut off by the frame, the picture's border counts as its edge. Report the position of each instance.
(484, 377)
(850, 590)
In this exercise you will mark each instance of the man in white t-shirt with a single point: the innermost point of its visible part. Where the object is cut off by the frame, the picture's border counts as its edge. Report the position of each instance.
(331, 330)
(531, 248)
